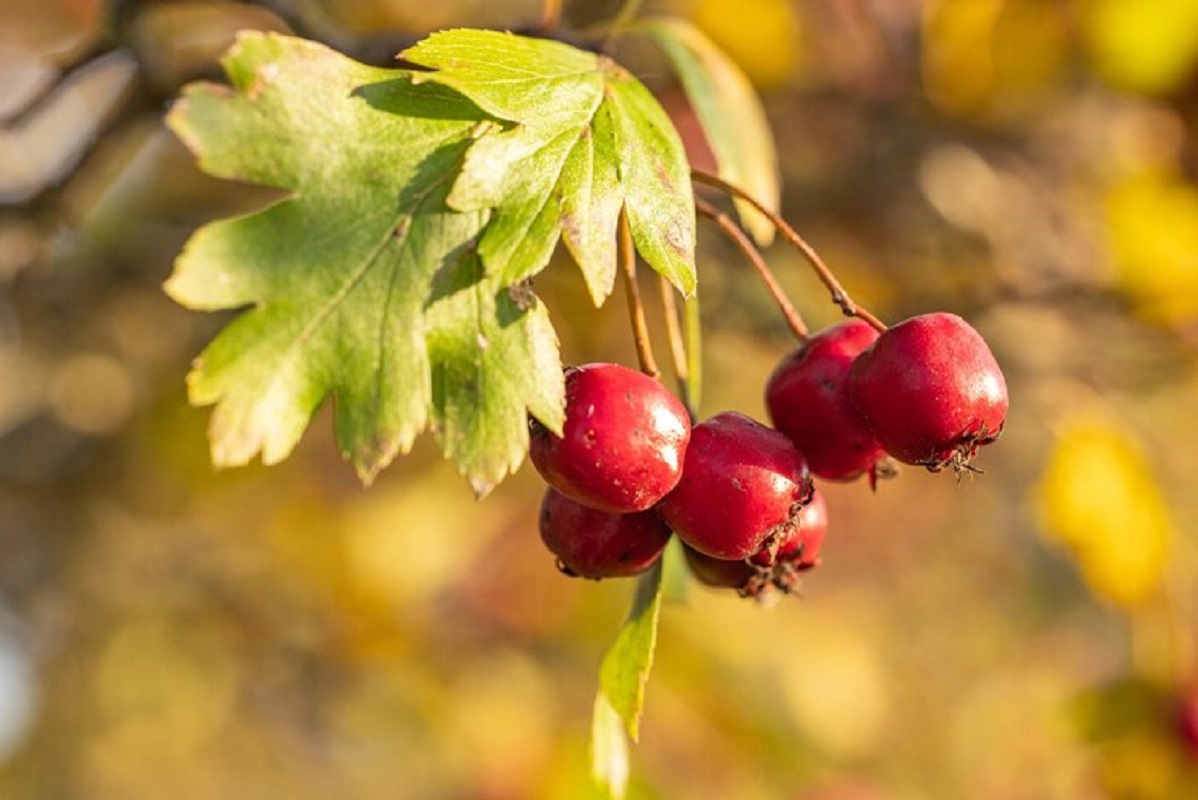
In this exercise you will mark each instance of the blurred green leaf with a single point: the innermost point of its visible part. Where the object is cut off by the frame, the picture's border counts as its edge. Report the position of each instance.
(675, 575)
(588, 139)
(609, 749)
(362, 282)
(625, 668)
(622, 678)
(730, 114)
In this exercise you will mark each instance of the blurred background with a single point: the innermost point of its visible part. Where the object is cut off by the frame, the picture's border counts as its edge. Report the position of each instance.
(170, 630)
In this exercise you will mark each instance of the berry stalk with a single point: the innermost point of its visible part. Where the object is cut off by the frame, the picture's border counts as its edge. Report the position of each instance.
(636, 308)
(734, 232)
(551, 17)
(839, 296)
(676, 338)
(625, 16)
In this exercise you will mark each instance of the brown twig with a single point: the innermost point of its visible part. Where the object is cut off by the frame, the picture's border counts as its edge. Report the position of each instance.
(669, 310)
(839, 296)
(628, 10)
(551, 16)
(734, 232)
(636, 309)
(677, 340)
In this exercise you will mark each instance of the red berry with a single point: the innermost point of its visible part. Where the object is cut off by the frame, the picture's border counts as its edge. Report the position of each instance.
(599, 544)
(807, 401)
(930, 390)
(742, 484)
(623, 442)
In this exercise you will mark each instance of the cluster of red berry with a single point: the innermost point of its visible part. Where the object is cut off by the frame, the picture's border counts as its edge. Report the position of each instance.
(629, 467)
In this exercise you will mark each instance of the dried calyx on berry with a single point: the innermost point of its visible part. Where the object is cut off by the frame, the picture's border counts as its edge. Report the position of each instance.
(768, 569)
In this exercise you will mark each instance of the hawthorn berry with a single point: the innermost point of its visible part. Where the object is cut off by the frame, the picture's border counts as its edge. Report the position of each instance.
(596, 544)
(743, 485)
(622, 444)
(807, 401)
(930, 391)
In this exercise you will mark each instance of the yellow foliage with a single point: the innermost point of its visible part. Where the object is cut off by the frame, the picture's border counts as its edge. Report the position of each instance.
(1153, 223)
(1146, 47)
(990, 55)
(761, 36)
(1100, 501)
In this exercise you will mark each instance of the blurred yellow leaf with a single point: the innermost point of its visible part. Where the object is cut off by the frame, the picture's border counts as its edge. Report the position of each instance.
(761, 36)
(981, 55)
(1153, 224)
(1100, 501)
(1146, 47)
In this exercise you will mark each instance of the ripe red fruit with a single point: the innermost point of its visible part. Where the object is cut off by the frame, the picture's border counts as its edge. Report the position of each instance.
(930, 391)
(623, 442)
(599, 544)
(742, 485)
(807, 401)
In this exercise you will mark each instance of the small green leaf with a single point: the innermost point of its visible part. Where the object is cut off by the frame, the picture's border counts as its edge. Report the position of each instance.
(625, 669)
(622, 678)
(730, 114)
(675, 575)
(586, 138)
(360, 283)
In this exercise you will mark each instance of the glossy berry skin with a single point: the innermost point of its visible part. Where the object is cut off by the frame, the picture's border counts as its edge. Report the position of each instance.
(807, 401)
(930, 391)
(742, 483)
(597, 544)
(622, 444)
(801, 543)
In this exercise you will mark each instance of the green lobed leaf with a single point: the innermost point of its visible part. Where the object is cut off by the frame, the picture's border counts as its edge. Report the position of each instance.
(585, 139)
(730, 114)
(481, 371)
(361, 282)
